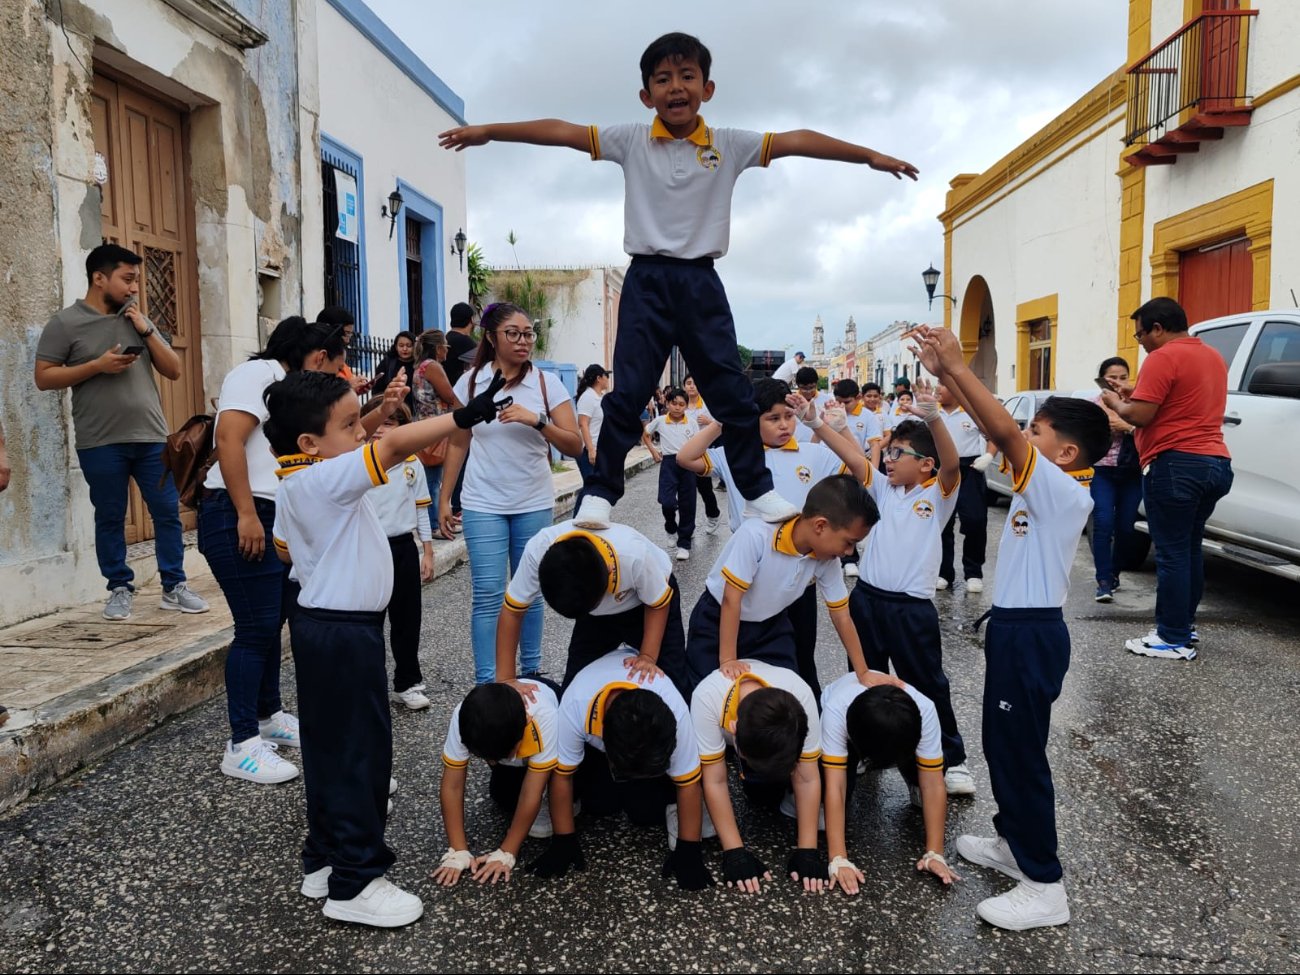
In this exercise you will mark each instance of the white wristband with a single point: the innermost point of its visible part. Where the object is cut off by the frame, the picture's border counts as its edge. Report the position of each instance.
(931, 855)
(501, 856)
(929, 411)
(838, 864)
(456, 859)
(813, 424)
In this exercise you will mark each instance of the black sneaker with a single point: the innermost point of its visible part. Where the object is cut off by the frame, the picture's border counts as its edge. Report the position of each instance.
(1104, 593)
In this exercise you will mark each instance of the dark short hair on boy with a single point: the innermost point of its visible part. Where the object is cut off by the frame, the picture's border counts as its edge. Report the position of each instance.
(1161, 311)
(769, 393)
(872, 388)
(336, 315)
(492, 721)
(300, 403)
(846, 389)
(884, 726)
(401, 415)
(770, 730)
(841, 500)
(916, 435)
(1080, 422)
(807, 376)
(675, 47)
(676, 393)
(573, 576)
(105, 258)
(640, 735)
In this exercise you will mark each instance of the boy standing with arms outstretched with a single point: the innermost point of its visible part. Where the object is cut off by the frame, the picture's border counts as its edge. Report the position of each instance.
(1027, 646)
(679, 173)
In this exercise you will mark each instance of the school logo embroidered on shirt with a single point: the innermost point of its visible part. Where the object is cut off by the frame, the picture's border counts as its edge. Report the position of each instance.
(408, 472)
(1020, 523)
(621, 595)
(923, 509)
(708, 157)
(803, 473)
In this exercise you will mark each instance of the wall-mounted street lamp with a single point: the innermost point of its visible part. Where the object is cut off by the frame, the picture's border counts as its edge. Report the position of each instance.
(931, 278)
(390, 211)
(458, 247)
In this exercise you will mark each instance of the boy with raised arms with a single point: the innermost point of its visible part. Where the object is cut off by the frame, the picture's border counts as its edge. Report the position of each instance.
(679, 173)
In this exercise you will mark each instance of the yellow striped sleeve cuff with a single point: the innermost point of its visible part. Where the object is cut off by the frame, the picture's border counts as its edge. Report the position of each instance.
(930, 764)
(280, 543)
(837, 604)
(810, 756)
(949, 494)
(452, 763)
(663, 600)
(835, 761)
(708, 464)
(690, 778)
(735, 581)
(765, 155)
(375, 469)
(593, 136)
(543, 766)
(713, 759)
(424, 503)
(514, 605)
(844, 469)
(871, 473)
(562, 769)
(1022, 481)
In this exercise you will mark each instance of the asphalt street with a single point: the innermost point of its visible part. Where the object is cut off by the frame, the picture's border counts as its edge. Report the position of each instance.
(1179, 816)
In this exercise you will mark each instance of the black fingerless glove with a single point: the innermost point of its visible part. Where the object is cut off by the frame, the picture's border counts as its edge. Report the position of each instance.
(561, 853)
(686, 863)
(740, 864)
(807, 864)
(483, 407)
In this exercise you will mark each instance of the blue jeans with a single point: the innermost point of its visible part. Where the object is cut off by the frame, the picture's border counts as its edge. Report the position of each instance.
(434, 476)
(1116, 494)
(492, 539)
(1181, 491)
(108, 471)
(259, 597)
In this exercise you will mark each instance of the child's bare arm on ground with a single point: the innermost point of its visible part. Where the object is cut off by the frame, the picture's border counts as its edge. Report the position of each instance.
(816, 145)
(538, 132)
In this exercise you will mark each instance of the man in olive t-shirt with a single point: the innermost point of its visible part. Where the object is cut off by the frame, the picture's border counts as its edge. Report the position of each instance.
(103, 348)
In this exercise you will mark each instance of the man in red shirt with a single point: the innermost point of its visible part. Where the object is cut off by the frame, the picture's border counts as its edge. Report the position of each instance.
(1177, 407)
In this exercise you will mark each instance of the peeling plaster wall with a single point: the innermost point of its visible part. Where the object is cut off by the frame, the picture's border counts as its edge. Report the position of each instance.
(245, 170)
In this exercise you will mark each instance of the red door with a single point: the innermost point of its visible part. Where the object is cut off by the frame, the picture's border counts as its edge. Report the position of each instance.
(1216, 280)
(1220, 51)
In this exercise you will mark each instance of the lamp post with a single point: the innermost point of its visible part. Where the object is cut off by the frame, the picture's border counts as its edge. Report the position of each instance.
(931, 278)
(458, 247)
(390, 211)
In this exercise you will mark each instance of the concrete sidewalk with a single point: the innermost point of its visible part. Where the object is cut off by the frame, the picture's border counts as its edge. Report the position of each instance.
(77, 685)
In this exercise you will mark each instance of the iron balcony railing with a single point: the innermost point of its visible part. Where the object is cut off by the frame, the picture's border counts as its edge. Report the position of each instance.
(1200, 70)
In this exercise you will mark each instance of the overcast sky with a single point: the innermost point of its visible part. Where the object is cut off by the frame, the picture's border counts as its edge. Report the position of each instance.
(950, 86)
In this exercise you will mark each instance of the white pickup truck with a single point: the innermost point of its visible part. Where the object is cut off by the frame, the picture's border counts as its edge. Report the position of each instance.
(1258, 523)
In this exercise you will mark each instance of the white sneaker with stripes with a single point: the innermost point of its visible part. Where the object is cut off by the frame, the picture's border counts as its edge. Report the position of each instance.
(256, 760)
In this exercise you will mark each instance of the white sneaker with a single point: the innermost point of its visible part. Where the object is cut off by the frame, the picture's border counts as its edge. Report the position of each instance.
(256, 761)
(991, 852)
(850, 570)
(413, 697)
(1027, 905)
(542, 828)
(683, 554)
(959, 780)
(788, 809)
(181, 598)
(942, 583)
(1152, 646)
(381, 905)
(317, 883)
(975, 585)
(707, 830)
(594, 513)
(392, 786)
(119, 602)
(281, 728)
(711, 525)
(771, 507)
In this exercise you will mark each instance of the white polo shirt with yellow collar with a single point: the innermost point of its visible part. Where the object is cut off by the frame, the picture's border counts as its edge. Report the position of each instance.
(837, 697)
(677, 198)
(538, 749)
(864, 426)
(582, 715)
(904, 548)
(716, 699)
(795, 468)
(761, 561)
(325, 522)
(639, 570)
(964, 432)
(673, 434)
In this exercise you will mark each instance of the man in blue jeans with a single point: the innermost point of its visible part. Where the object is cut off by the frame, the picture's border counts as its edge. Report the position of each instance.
(1177, 407)
(102, 348)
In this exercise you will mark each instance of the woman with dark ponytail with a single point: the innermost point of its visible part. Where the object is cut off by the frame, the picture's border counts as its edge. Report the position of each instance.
(591, 387)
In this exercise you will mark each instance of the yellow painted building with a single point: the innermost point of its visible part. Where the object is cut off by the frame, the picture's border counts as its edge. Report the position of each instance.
(1163, 179)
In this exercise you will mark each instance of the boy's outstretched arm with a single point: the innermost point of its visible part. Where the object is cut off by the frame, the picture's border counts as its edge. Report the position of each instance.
(691, 456)
(539, 132)
(925, 406)
(816, 145)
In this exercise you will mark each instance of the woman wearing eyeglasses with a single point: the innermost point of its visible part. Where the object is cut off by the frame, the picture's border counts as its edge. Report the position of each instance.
(507, 496)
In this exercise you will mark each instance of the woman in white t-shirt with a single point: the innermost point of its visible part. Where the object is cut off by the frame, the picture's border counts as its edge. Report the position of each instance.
(591, 388)
(507, 496)
(236, 513)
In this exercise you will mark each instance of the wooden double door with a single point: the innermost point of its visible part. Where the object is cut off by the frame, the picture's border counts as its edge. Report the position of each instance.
(145, 207)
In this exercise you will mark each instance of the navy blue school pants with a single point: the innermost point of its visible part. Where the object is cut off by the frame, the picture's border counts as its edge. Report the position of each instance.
(803, 619)
(404, 612)
(973, 511)
(347, 744)
(677, 498)
(595, 636)
(670, 302)
(770, 640)
(902, 629)
(1026, 654)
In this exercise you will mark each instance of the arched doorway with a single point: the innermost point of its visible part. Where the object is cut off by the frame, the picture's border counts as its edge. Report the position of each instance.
(978, 334)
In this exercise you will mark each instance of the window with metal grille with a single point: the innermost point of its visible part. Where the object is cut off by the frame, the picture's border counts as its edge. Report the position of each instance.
(414, 277)
(342, 257)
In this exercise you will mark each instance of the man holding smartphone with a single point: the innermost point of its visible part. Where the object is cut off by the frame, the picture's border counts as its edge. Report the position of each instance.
(102, 348)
